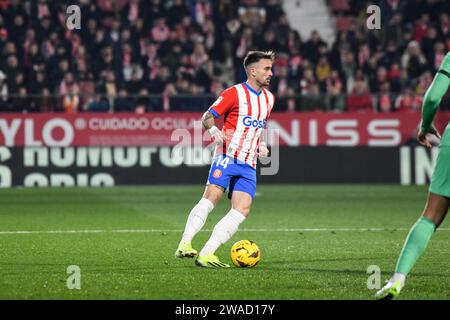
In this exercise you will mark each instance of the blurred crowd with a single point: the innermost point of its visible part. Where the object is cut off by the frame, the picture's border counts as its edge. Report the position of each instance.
(154, 55)
(398, 61)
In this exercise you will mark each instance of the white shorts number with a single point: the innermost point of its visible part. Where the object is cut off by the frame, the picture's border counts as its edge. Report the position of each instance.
(223, 162)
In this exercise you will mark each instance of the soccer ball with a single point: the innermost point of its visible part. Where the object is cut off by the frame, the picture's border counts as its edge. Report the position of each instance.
(245, 254)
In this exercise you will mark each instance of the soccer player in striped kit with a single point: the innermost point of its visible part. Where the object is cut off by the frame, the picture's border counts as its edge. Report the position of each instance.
(246, 108)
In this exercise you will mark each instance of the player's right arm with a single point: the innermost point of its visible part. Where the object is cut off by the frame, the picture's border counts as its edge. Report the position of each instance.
(223, 104)
(210, 126)
(432, 100)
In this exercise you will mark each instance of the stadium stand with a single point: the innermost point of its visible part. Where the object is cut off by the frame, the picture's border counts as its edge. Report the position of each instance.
(154, 55)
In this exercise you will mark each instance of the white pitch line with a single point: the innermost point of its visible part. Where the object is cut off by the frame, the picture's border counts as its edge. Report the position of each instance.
(206, 230)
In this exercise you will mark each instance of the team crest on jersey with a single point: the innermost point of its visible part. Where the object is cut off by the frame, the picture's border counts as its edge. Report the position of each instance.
(217, 173)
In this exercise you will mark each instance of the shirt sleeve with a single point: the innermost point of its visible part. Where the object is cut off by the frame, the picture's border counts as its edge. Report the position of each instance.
(434, 94)
(224, 103)
(273, 104)
(272, 97)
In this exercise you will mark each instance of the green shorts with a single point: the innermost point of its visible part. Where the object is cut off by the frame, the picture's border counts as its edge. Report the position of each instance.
(440, 181)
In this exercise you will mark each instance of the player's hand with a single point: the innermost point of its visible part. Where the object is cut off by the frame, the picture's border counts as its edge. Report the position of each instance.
(263, 152)
(429, 139)
(217, 136)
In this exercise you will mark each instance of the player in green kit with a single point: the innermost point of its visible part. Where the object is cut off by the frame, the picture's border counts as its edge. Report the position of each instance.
(439, 192)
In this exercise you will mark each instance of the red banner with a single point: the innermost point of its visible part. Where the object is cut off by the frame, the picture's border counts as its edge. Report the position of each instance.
(158, 129)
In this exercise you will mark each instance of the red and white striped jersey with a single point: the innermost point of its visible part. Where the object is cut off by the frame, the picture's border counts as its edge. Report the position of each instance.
(245, 114)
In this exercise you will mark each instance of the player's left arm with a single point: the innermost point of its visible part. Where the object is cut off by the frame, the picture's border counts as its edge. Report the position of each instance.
(263, 151)
(432, 100)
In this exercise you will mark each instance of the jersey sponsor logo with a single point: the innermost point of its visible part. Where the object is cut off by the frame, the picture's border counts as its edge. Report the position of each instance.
(217, 173)
(250, 122)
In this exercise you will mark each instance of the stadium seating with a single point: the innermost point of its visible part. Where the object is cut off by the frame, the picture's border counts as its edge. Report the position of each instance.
(195, 48)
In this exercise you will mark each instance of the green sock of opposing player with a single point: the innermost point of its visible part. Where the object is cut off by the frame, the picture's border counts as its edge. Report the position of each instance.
(415, 244)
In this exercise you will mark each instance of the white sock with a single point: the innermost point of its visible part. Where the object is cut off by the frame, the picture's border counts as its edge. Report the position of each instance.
(223, 231)
(398, 276)
(197, 218)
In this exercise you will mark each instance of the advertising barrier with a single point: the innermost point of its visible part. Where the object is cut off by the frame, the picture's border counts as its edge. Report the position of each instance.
(109, 166)
(160, 129)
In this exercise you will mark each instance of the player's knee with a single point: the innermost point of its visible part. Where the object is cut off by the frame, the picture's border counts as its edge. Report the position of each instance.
(214, 199)
(213, 195)
(435, 217)
(244, 210)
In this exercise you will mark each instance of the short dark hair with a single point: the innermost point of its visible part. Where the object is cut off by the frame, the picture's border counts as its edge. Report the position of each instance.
(255, 56)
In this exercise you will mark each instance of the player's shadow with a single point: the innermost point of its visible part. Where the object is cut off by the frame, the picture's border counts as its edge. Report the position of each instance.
(292, 266)
(353, 272)
(323, 260)
(12, 269)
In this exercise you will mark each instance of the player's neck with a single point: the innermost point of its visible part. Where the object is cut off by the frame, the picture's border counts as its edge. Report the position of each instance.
(254, 85)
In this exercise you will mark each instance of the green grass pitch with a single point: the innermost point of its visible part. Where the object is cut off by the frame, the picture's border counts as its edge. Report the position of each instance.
(316, 243)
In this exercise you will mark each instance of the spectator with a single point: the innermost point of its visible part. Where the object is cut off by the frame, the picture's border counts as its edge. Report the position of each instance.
(57, 75)
(444, 24)
(394, 77)
(438, 55)
(133, 76)
(142, 103)
(283, 85)
(109, 87)
(313, 100)
(11, 70)
(176, 12)
(21, 101)
(307, 81)
(123, 103)
(413, 60)
(68, 85)
(160, 31)
(243, 45)
(334, 91)
(98, 104)
(205, 76)
(280, 82)
(421, 27)
(385, 102)
(424, 82)
(46, 102)
(198, 57)
(381, 77)
(69, 90)
(360, 100)
(323, 70)
(269, 42)
(428, 42)
(131, 11)
(17, 83)
(408, 101)
(4, 103)
(38, 83)
(348, 67)
(311, 47)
